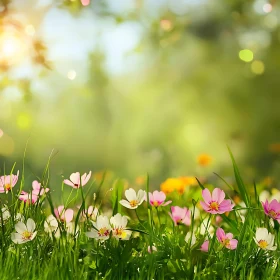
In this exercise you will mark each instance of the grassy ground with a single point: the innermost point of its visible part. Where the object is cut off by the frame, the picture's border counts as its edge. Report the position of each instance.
(73, 255)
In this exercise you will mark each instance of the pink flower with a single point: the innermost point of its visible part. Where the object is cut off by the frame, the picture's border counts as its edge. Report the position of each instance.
(75, 179)
(8, 182)
(38, 189)
(180, 215)
(226, 239)
(157, 199)
(64, 215)
(215, 204)
(27, 197)
(272, 209)
(205, 246)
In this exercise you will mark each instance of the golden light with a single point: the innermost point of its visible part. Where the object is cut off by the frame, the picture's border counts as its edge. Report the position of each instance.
(12, 48)
(29, 30)
(23, 121)
(71, 74)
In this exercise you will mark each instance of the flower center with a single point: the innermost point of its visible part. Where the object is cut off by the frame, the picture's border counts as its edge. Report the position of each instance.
(26, 235)
(272, 214)
(214, 206)
(76, 185)
(226, 242)
(263, 244)
(103, 232)
(8, 187)
(155, 203)
(133, 203)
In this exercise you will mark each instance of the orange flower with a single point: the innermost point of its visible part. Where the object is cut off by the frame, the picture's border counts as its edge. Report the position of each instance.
(171, 184)
(188, 180)
(140, 180)
(204, 159)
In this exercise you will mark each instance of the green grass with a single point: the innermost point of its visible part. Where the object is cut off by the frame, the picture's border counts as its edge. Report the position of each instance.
(75, 256)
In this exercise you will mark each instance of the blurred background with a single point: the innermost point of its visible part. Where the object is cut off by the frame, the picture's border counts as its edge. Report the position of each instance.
(140, 86)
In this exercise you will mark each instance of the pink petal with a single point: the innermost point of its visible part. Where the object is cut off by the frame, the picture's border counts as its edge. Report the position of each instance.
(206, 196)
(69, 183)
(69, 214)
(225, 206)
(167, 202)
(232, 244)
(85, 178)
(75, 178)
(204, 205)
(220, 234)
(159, 196)
(218, 195)
(205, 246)
(229, 235)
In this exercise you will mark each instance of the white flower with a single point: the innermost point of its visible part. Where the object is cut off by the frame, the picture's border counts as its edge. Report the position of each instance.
(101, 230)
(51, 226)
(5, 214)
(264, 239)
(190, 235)
(133, 200)
(70, 228)
(24, 232)
(118, 223)
(91, 213)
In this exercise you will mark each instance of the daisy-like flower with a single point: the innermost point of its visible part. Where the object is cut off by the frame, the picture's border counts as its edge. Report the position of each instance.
(180, 215)
(118, 223)
(51, 226)
(226, 239)
(76, 180)
(133, 199)
(27, 197)
(157, 199)
(24, 233)
(37, 189)
(264, 239)
(64, 215)
(215, 203)
(205, 246)
(101, 230)
(8, 182)
(272, 209)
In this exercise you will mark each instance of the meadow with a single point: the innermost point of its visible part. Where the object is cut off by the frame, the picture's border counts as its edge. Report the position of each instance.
(186, 229)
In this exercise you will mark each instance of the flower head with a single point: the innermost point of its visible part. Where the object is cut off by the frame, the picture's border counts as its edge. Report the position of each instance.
(133, 199)
(180, 215)
(172, 184)
(215, 203)
(226, 239)
(204, 159)
(272, 209)
(101, 229)
(76, 180)
(24, 233)
(118, 223)
(264, 239)
(38, 189)
(205, 246)
(8, 182)
(27, 197)
(91, 213)
(64, 215)
(157, 199)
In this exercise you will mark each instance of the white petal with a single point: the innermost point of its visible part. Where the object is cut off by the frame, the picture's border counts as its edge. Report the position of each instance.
(30, 225)
(20, 227)
(16, 238)
(33, 235)
(261, 234)
(130, 194)
(92, 234)
(126, 204)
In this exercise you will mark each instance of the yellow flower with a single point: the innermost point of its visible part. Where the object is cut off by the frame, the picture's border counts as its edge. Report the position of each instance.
(140, 180)
(188, 180)
(204, 159)
(172, 184)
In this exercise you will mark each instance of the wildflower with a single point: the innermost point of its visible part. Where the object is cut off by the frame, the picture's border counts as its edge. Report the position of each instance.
(180, 215)
(264, 239)
(215, 204)
(101, 230)
(188, 180)
(152, 249)
(272, 209)
(157, 199)
(8, 182)
(189, 236)
(133, 200)
(204, 159)
(226, 239)
(51, 226)
(171, 184)
(38, 189)
(64, 215)
(118, 223)
(5, 214)
(24, 232)
(27, 197)
(205, 246)
(76, 180)
(91, 213)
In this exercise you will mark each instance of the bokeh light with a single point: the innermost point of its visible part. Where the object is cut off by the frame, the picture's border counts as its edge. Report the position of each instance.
(30, 30)
(257, 67)
(24, 121)
(246, 55)
(71, 74)
(1, 132)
